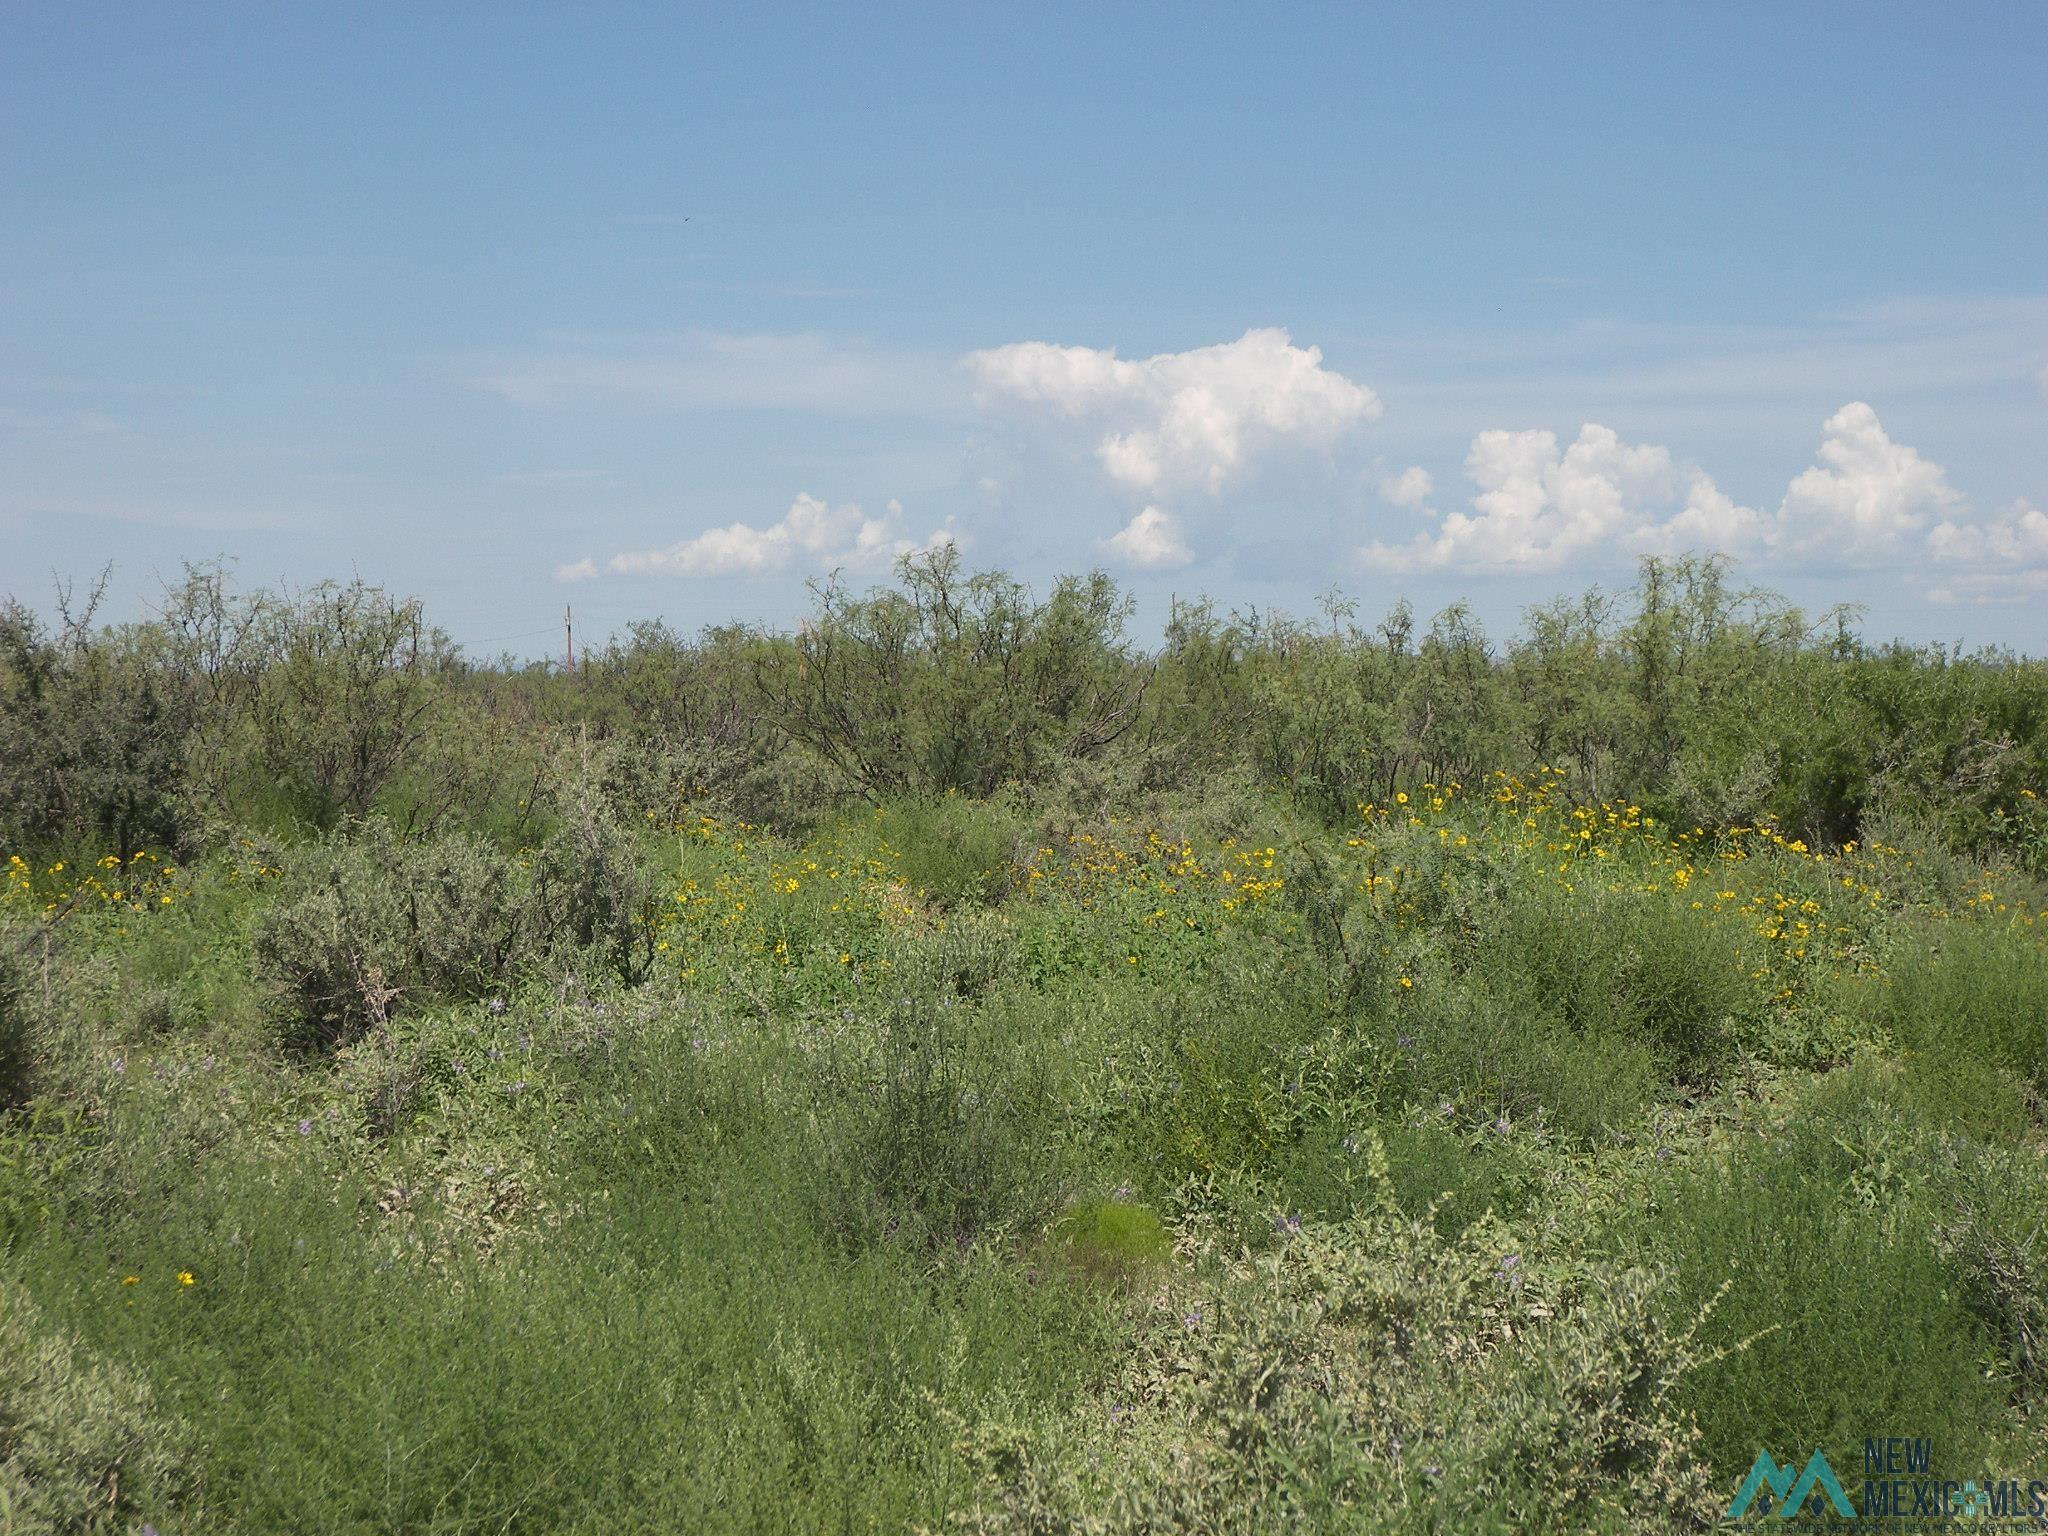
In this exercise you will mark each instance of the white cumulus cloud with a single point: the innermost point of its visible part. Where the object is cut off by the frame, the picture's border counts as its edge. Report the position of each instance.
(1151, 541)
(1411, 488)
(1194, 419)
(1539, 507)
(1866, 499)
(578, 570)
(2017, 538)
(1710, 522)
(810, 536)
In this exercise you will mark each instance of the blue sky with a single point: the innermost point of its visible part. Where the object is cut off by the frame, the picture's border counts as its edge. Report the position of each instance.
(660, 311)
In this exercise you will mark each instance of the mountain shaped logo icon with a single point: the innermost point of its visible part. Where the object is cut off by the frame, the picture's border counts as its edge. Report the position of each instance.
(1789, 1497)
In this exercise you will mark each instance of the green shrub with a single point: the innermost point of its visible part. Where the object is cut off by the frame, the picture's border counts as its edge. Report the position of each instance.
(351, 683)
(968, 955)
(16, 1054)
(955, 681)
(593, 889)
(1453, 1177)
(92, 737)
(1978, 993)
(365, 925)
(1922, 865)
(1116, 1241)
(690, 729)
(1376, 1376)
(1992, 1231)
(83, 1446)
(1492, 1053)
(1723, 784)
(1216, 1077)
(933, 1127)
(1625, 966)
(957, 851)
(1823, 1234)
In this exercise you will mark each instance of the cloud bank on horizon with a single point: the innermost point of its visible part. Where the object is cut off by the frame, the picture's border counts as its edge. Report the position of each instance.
(810, 536)
(1187, 438)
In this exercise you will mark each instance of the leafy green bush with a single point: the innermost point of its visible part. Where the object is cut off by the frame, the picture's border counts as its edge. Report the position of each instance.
(365, 925)
(1453, 1175)
(1376, 1376)
(1226, 1077)
(83, 1446)
(1992, 1231)
(1823, 1234)
(692, 727)
(957, 851)
(970, 955)
(351, 682)
(1490, 1053)
(1979, 994)
(15, 1051)
(1623, 966)
(932, 1128)
(92, 738)
(955, 681)
(1715, 784)
(592, 887)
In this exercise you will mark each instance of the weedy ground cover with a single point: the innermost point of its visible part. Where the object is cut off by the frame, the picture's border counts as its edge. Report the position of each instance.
(1024, 1136)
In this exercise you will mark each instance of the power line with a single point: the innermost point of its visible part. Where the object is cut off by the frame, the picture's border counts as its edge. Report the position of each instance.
(527, 634)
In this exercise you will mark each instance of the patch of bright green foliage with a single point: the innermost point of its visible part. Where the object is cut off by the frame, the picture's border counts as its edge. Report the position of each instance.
(1115, 1240)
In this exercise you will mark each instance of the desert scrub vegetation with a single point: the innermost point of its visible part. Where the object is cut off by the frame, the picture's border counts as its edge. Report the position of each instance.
(83, 1446)
(953, 1068)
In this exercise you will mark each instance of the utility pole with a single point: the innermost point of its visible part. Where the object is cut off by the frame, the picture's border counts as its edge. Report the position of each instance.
(568, 640)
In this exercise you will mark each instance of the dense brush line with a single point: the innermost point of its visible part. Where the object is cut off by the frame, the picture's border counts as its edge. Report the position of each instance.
(297, 710)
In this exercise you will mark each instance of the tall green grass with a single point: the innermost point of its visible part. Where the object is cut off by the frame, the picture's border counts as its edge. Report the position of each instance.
(887, 1185)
